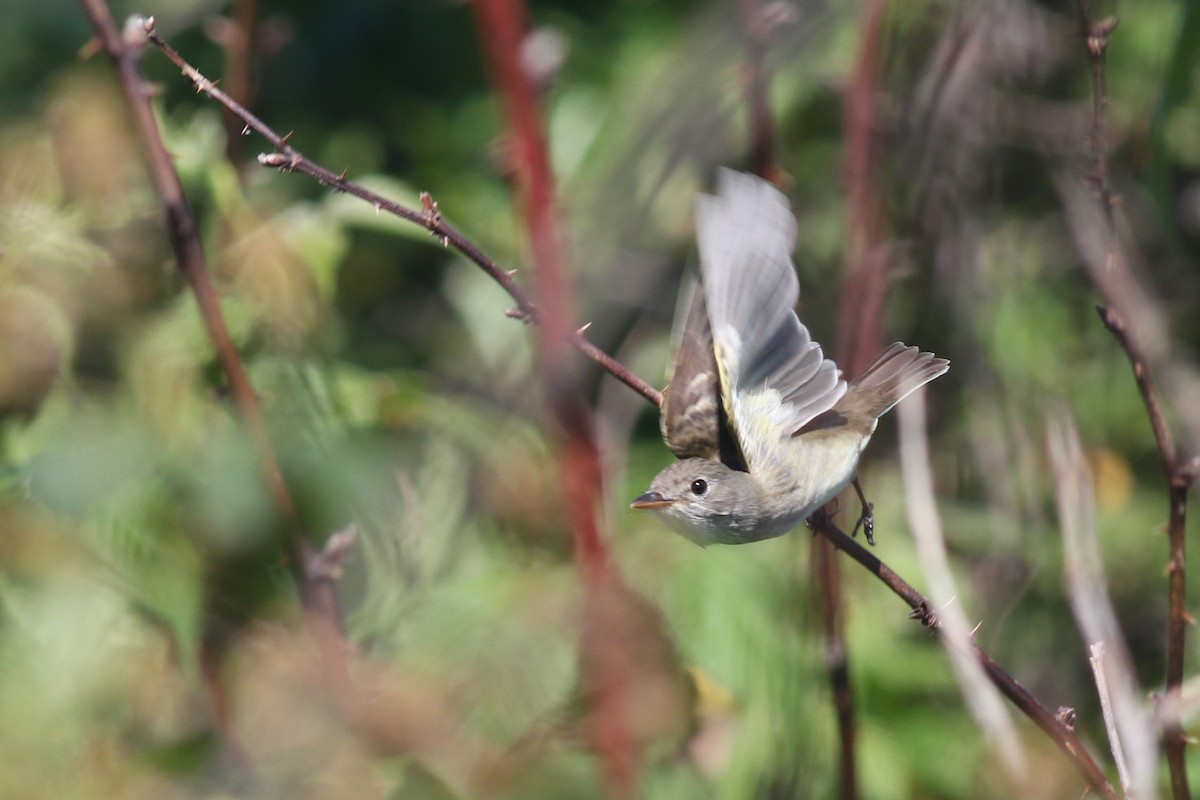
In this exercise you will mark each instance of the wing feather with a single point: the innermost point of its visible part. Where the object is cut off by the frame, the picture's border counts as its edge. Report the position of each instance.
(774, 377)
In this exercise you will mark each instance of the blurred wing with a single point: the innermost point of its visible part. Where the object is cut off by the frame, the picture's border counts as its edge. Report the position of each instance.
(774, 377)
(693, 419)
(690, 423)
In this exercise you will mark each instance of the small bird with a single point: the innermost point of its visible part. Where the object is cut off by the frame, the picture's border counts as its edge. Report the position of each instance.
(767, 429)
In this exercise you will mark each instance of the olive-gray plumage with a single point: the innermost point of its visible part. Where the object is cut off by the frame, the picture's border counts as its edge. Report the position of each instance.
(767, 429)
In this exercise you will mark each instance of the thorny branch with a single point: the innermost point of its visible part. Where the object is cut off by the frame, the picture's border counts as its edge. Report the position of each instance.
(316, 588)
(1180, 474)
(125, 52)
(1053, 726)
(1180, 477)
(289, 159)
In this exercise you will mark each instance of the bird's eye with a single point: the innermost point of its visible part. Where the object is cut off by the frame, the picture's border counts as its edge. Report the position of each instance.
(699, 486)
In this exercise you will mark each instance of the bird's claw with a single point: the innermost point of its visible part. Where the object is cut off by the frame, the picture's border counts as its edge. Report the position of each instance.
(866, 521)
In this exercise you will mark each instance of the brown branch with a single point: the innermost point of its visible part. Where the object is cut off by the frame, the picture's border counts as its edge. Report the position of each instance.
(1095, 35)
(125, 52)
(755, 31)
(289, 159)
(837, 663)
(864, 284)
(863, 289)
(1179, 480)
(241, 33)
(1060, 733)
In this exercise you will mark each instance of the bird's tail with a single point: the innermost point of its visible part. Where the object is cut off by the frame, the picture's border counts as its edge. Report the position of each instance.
(898, 372)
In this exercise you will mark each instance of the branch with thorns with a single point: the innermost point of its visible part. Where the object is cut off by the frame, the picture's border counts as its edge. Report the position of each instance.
(287, 158)
(1180, 471)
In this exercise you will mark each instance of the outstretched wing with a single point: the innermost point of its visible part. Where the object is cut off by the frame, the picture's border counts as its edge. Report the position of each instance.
(774, 377)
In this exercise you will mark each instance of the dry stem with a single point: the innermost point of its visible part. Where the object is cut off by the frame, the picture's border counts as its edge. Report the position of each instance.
(1118, 285)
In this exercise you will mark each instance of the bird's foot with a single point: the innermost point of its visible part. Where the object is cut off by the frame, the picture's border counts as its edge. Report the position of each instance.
(866, 520)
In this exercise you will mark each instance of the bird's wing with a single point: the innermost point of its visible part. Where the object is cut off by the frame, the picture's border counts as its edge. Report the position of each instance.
(690, 417)
(774, 377)
(693, 418)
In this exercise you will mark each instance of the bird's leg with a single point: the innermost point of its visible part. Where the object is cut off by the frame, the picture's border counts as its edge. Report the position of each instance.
(867, 519)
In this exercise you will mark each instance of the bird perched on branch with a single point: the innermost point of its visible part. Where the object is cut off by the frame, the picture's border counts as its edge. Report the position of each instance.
(767, 429)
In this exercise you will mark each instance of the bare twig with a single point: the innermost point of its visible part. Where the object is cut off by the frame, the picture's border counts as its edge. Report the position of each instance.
(125, 52)
(240, 41)
(1096, 659)
(1179, 477)
(1095, 37)
(982, 699)
(1133, 740)
(1147, 346)
(288, 158)
(1054, 727)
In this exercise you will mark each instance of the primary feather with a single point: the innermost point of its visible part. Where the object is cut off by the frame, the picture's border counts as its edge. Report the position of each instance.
(774, 377)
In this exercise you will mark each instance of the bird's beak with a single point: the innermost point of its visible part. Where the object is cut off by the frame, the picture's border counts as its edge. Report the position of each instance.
(650, 500)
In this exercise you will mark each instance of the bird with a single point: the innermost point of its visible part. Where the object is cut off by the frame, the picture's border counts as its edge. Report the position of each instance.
(767, 429)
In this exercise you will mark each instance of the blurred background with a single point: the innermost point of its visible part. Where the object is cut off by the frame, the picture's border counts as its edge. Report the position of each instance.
(148, 643)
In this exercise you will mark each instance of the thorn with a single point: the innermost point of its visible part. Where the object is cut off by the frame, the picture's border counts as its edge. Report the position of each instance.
(286, 137)
(512, 273)
(342, 175)
(583, 329)
(1097, 39)
(330, 561)
(90, 48)
(378, 209)
(433, 215)
(245, 130)
(975, 630)
(1187, 471)
(1066, 716)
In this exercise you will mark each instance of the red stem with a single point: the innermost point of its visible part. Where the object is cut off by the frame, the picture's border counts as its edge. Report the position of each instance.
(502, 25)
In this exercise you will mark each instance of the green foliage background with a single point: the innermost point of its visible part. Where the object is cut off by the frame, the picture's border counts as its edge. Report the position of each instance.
(135, 537)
